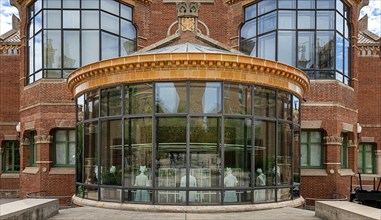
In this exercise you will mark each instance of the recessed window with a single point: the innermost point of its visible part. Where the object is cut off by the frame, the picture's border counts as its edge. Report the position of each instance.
(366, 158)
(64, 147)
(311, 149)
(11, 156)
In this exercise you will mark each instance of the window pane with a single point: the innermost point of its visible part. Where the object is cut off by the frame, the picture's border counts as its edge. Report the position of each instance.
(306, 19)
(287, 4)
(205, 97)
(71, 135)
(31, 28)
(138, 100)
(315, 155)
(264, 102)
(128, 30)
(71, 153)
(250, 12)
(61, 153)
(90, 19)
(111, 101)
(267, 23)
(286, 47)
(71, 49)
(138, 154)
(31, 56)
(266, 46)
(282, 172)
(325, 49)
(249, 47)
(339, 53)
(205, 151)
(110, 6)
(52, 49)
(52, 19)
(296, 110)
(170, 97)
(306, 4)
(325, 4)
(111, 153)
(340, 6)
(70, 19)
(37, 22)
(69, 3)
(249, 29)
(237, 153)
(90, 3)
(61, 135)
(127, 46)
(306, 50)
(92, 105)
(237, 99)
(52, 4)
(90, 47)
(265, 153)
(325, 20)
(110, 23)
(110, 46)
(304, 155)
(315, 137)
(266, 6)
(346, 57)
(339, 23)
(171, 152)
(287, 19)
(126, 12)
(38, 52)
(80, 108)
(284, 105)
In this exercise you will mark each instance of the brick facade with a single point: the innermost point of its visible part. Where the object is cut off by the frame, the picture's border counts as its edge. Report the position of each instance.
(48, 104)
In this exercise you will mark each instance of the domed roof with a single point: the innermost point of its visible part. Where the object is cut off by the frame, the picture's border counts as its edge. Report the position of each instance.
(187, 48)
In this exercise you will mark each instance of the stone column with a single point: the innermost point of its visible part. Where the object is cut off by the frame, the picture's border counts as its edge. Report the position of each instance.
(43, 160)
(378, 161)
(332, 160)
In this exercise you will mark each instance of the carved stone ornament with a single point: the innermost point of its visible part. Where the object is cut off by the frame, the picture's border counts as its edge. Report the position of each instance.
(352, 143)
(333, 139)
(43, 139)
(187, 24)
(187, 9)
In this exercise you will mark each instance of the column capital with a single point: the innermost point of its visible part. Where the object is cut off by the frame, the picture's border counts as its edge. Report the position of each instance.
(333, 140)
(43, 139)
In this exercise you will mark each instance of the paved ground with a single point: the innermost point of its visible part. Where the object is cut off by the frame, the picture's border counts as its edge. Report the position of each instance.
(86, 213)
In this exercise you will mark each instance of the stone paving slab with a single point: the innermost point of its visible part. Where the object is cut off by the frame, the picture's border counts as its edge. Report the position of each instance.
(83, 213)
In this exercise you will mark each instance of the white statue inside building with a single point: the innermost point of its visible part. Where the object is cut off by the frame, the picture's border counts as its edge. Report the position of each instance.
(142, 180)
(192, 183)
(260, 195)
(230, 181)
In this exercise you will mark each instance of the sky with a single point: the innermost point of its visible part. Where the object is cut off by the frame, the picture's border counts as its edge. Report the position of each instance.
(373, 11)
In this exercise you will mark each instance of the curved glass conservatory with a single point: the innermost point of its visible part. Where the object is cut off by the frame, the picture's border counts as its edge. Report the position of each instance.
(188, 128)
(312, 35)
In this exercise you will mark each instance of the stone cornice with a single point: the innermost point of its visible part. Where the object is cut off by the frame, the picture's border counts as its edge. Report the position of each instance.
(333, 140)
(188, 66)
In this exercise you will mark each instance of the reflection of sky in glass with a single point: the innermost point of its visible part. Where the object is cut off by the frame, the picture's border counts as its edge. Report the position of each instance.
(167, 97)
(211, 102)
(38, 52)
(339, 53)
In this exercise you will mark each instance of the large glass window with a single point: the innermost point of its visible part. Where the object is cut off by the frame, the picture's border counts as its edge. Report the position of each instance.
(63, 38)
(11, 157)
(311, 149)
(366, 158)
(64, 147)
(311, 35)
(186, 142)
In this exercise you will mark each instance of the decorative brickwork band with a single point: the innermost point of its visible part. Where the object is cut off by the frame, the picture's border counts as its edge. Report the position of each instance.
(43, 139)
(336, 140)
